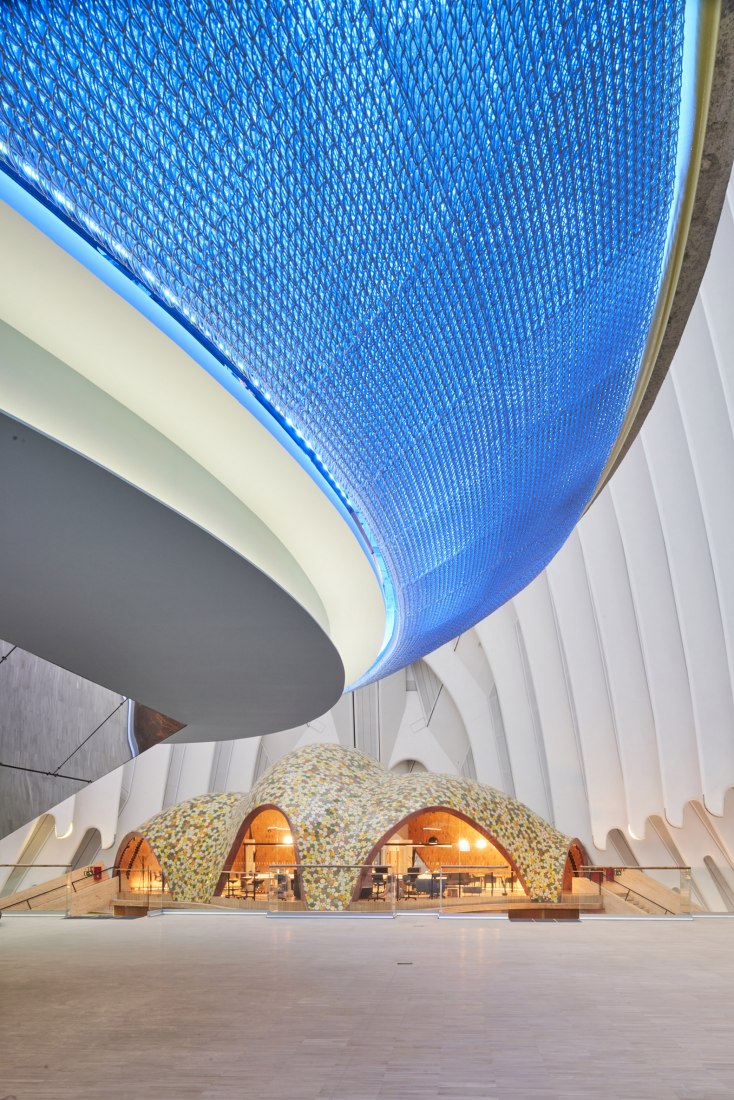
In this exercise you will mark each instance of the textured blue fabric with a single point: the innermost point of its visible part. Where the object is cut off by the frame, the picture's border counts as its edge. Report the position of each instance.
(430, 234)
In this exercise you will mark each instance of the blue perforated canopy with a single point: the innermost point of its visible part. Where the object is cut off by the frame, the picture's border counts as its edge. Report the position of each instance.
(429, 235)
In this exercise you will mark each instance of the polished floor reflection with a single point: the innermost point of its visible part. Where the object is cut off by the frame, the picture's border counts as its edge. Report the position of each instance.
(191, 1007)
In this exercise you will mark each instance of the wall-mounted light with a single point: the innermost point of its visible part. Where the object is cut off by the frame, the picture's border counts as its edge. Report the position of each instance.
(287, 839)
(481, 843)
(464, 845)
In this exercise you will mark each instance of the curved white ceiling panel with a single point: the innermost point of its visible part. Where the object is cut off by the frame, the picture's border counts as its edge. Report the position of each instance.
(634, 724)
(657, 616)
(498, 635)
(699, 380)
(695, 594)
(587, 679)
(474, 707)
(559, 728)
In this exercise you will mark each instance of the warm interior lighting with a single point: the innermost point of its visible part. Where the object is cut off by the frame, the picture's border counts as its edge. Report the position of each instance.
(287, 839)
(481, 843)
(464, 845)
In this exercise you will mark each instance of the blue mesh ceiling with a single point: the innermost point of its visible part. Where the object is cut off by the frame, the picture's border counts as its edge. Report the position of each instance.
(430, 234)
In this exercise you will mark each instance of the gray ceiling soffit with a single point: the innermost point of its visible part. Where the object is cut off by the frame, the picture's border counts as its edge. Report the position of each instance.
(102, 580)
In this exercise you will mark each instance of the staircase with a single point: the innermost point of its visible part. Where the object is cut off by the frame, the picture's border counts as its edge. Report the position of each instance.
(76, 894)
(640, 893)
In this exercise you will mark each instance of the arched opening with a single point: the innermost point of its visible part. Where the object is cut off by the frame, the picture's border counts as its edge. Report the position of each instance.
(439, 853)
(87, 849)
(263, 850)
(576, 859)
(138, 866)
(24, 874)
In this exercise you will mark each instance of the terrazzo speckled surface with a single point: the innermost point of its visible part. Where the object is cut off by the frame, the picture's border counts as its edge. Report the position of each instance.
(192, 839)
(340, 803)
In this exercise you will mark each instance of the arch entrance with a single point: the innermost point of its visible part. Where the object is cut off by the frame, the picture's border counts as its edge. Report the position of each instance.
(262, 858)
(138, 865)
(575, 861)
(441, 855)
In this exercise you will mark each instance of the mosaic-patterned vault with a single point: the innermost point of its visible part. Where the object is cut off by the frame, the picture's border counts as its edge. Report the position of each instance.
(340, 804)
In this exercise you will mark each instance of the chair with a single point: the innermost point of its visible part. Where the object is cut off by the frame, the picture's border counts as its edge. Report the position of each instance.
(249, 882)
(409, 880)
(379, 881)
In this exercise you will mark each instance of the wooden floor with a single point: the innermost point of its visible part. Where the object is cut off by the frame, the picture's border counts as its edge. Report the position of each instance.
(187, 1007)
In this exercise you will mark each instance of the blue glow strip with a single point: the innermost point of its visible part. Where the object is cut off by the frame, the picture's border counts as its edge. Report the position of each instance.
(687, 115)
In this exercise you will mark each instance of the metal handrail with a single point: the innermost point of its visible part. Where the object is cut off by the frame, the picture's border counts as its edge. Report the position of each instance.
(632, 867)
(51, 890)
(476, 867)
(114, 872)
(644, 897)
(27, 866)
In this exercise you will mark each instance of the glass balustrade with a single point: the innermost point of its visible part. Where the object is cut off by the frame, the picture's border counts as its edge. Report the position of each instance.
(616, 890)
(91, 891)
(494, 889)
(420, 888)
(100, 891)
(96, 890)
(331, 888)
(240, 889)
(139, 890)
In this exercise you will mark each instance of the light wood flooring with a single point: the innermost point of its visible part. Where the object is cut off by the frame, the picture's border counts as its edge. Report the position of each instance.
(188, 1007)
